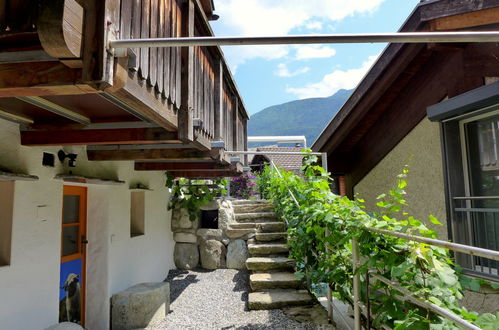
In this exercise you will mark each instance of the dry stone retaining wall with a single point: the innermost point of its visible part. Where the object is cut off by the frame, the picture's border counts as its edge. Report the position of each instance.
(209, 248)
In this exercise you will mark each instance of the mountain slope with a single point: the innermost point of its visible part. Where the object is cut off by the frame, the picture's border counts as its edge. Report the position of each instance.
(303, 117)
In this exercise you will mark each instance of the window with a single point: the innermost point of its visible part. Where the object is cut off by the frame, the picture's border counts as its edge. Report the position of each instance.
(6, 213)
(137, 213)
(470, 150)
(476, 213)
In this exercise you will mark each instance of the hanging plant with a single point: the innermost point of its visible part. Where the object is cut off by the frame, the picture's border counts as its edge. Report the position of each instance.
(193, 194)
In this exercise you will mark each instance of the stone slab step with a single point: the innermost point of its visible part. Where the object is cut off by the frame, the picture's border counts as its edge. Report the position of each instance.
(266, 249)
(268, 237)
(266, 263)
(256, 217)
(253, 208)
(239, 233)
(250, 202)
(279, 299)
(243, 225)
(266, 281)
(270, 227)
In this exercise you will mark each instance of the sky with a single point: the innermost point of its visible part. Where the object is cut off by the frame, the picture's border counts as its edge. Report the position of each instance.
(270, 75)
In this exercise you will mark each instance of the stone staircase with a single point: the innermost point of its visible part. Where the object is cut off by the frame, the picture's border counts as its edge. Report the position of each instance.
(273, 281)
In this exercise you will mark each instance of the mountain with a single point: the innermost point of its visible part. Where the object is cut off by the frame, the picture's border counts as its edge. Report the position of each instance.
(303, 117)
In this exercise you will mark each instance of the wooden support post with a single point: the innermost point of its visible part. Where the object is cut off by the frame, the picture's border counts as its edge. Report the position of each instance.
(219, 103)
(185, 115)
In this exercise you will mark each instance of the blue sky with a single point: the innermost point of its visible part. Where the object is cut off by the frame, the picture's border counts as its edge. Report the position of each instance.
(269, 75)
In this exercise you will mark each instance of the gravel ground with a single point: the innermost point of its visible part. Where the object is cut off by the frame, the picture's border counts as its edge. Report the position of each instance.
(217, 300)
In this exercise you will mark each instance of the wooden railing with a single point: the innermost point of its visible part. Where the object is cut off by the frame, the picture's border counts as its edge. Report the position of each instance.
(187, 78)
(160, 68)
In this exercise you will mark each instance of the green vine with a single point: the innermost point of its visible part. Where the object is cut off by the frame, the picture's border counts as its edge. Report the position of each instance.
(320, 233)
(193, 194)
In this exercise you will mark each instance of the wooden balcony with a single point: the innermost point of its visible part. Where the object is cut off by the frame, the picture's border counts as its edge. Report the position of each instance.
(156, 106)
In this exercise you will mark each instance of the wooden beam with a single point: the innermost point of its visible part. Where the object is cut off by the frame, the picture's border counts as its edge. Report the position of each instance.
(446, 8)
(145, 104)
(41, 78)
(16, 118)
(55, 108)
(97, 137)
(206, 174)
(60, 28)
(179, 166)
(467, 20)
(148, 154)
(185, 115)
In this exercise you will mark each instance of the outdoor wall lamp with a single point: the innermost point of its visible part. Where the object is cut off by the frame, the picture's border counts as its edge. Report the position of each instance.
(71, 158)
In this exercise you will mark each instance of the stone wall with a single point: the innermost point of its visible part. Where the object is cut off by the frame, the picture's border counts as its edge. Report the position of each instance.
(209, 248)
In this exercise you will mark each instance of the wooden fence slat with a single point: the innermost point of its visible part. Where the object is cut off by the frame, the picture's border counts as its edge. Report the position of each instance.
(161, 34)
(167, 50)
(173, 60)
(136, 25)
(153, 52)
(178, 61)
(145, 33)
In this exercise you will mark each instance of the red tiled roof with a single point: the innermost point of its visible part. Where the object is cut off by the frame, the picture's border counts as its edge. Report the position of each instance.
(288, 162)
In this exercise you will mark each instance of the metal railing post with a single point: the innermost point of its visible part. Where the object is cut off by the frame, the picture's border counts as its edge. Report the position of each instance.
(356, 285)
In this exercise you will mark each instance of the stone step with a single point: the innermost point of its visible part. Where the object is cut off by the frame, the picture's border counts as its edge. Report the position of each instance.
(267, 281)
(268, 237)
(249, 202)
(266, 249)
(256, 217)
(253, 208)
(244, 233)
(279, 298)
(242, 225)
(266, 263)
(270, 227)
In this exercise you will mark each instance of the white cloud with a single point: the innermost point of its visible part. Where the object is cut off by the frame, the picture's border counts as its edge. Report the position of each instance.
(283, 71)
(334, 81)
(314, 51)
(278, 17)
(315, 25)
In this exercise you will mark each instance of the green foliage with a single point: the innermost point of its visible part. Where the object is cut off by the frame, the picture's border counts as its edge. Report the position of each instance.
(320, 233)
(192, 194)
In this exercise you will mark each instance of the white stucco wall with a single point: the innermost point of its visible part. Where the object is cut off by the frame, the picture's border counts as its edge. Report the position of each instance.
(29, 294)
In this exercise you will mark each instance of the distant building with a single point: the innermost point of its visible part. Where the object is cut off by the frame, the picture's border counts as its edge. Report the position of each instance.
(287, 162)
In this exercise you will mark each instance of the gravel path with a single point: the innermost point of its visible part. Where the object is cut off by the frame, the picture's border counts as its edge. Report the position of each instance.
(217, 300)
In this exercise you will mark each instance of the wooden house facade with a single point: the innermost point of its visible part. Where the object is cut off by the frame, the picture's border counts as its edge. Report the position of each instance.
(432, 107)
(85, 140)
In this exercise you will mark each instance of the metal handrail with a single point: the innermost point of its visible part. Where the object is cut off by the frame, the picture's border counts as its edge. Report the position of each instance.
(472, 250)
(289, 190)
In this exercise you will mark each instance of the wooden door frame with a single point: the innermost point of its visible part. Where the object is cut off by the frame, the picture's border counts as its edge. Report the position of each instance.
(82, 235)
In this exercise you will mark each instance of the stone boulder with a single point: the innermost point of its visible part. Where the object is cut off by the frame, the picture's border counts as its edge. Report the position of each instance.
(65, 326)
(212, 254)
(186, 256)
(187, 236)
(225, 216)
(237, 253)
(181, 220)
(140, 306)
(209, 234)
